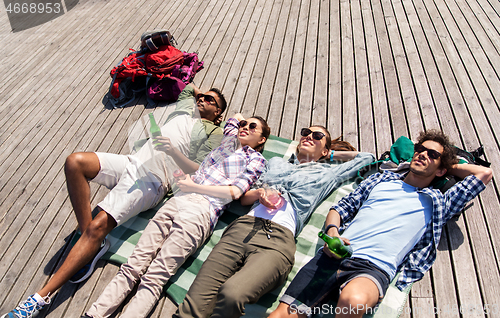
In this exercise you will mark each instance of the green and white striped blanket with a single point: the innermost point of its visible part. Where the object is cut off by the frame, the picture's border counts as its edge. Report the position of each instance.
(125, 237)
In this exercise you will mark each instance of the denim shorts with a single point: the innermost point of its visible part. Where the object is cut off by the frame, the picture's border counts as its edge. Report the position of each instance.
(322, 279)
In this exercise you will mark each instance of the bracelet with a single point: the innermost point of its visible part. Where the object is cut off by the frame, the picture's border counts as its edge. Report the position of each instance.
(329, 226)
(331, 155)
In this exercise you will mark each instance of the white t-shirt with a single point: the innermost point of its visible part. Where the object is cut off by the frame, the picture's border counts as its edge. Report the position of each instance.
(178, 129)
(284, 216)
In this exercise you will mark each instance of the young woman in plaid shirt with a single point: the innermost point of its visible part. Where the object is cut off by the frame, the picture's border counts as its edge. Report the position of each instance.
(187, 219)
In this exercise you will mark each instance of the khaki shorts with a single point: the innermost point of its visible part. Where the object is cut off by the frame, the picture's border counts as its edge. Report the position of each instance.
(134, 188)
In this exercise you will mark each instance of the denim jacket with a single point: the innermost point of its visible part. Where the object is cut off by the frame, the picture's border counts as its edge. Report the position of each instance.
(305, 185)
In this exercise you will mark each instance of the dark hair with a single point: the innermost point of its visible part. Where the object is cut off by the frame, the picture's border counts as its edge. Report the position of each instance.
(448, 157)
(223, 103)
(266, 131)
(337, 144)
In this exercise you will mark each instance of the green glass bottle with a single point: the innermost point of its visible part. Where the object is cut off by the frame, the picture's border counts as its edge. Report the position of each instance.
(336, 245)
(154, 129)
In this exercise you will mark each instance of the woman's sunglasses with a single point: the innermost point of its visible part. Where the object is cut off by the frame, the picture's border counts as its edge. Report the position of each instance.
(433, 154)
(208, 98)
(317, 135)
(243, 123)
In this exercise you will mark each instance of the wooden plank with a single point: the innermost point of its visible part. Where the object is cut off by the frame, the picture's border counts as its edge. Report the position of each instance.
(468, 288)
(379, 102)
(273, 74)
(405, 53)
(321, 82)
(414, 42)
(349, 106)
(307, 82)
(422, 307)
(334, 119)
(443, 281)
(488, 266)
(15, 116)
(38, 41)
(383, 21)
(366, 129)
(49, 121)
(279, 99)
(238, 53)
(485, 54)
(252, 75)
(422, 288)
(56, 128)
(292, 93)
(219, 44)
(42, 219)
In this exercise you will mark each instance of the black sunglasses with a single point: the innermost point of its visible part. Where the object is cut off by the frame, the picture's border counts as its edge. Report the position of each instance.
(317, 135)
(243, 123)
(433, 154)
(208, 98)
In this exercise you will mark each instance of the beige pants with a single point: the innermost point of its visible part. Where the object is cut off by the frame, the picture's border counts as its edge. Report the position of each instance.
(175, 232)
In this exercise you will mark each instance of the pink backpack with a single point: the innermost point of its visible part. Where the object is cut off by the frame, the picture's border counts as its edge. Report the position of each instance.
(188, 69)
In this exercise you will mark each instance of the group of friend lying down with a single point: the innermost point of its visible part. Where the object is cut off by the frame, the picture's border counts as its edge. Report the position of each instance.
(391, 222)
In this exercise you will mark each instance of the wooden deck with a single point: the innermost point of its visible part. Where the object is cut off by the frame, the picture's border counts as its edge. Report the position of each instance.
(370, 70)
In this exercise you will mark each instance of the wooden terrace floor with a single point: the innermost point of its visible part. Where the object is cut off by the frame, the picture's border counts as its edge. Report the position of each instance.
(372, 70)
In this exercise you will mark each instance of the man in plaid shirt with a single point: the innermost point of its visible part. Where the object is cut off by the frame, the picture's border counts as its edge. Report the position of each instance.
(393, 223)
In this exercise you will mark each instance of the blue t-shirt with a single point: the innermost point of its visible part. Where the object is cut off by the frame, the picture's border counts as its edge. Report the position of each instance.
(389, 224)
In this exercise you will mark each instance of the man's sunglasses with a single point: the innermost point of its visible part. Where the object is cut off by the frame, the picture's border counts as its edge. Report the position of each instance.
(433, 154)
(208, 98)
(243, 123)
(317, 135)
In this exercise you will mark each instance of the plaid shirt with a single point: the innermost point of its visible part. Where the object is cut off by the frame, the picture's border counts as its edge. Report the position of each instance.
(420, 259)
(227, 165)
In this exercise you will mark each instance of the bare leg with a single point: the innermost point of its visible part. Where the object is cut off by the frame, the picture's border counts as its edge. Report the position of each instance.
(82, 253)
(360, 293)
(79, 168)
(357, 296)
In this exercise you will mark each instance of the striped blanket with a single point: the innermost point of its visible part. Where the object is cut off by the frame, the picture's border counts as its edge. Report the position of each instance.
(125, 237)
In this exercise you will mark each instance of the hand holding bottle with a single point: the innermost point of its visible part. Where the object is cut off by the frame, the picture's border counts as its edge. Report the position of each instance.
(337, 247)
(164, 144)
(179, 175)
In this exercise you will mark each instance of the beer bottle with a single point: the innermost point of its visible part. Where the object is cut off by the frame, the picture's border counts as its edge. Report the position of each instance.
(154, 129)
(336, 245)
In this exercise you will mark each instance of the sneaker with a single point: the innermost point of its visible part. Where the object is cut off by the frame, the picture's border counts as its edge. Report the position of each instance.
(27, 309)
(87, 270)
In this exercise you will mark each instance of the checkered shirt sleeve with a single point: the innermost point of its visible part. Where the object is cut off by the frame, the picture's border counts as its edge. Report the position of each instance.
(421, 258)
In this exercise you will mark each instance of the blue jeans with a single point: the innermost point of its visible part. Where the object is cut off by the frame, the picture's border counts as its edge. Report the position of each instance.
(322, 279)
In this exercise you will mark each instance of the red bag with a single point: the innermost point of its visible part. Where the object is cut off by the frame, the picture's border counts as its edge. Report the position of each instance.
(132, 66)
(162, 62)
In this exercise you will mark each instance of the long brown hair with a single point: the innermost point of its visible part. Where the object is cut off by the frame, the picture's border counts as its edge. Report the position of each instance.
(337, 144)
(266, 131)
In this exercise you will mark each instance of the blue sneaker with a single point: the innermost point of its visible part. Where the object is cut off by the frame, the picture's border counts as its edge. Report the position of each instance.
(87, 270)
(29, 308)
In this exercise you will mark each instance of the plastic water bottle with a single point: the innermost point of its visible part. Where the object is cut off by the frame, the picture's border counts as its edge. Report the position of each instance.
(336, 245)
(154, 129)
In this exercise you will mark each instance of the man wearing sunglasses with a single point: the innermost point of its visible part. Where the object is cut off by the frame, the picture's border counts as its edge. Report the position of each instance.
(256, 252)
(137, 182)
(393, 222)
